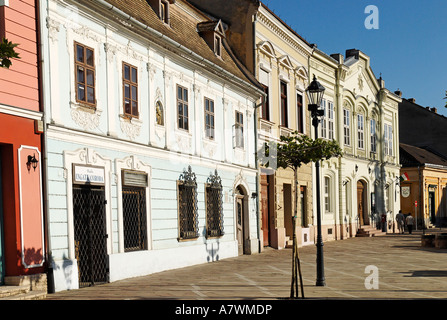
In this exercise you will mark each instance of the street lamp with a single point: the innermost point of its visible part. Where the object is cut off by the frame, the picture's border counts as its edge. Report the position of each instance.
(315, 92)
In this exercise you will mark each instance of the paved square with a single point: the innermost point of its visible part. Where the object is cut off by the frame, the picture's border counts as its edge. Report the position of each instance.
(385, 267)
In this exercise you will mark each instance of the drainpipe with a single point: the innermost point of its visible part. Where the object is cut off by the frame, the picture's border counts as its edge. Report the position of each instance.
(40, 63)
(258, 226)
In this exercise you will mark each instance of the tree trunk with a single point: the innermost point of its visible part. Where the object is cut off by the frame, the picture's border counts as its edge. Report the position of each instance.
(296, 267)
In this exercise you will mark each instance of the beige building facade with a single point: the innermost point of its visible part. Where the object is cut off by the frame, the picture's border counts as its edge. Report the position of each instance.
(282, 58)
(361, 187)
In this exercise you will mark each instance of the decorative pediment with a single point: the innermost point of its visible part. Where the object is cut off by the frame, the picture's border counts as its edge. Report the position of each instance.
(211, 26)
(285, 61)
(267, 48)
(301, 72)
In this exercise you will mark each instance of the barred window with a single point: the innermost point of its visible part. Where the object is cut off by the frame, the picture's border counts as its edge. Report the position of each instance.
(134, 210)
(187, 206)
(85, 74)
(214, 206)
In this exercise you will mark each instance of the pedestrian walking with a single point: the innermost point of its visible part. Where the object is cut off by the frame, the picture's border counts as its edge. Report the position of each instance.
(400, 222)
(410, 221)
(383, 222)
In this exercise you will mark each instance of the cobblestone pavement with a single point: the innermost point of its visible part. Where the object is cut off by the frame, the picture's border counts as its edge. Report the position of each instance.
(404, 270)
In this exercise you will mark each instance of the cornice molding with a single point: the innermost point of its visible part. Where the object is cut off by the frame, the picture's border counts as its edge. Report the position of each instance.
(283, 34)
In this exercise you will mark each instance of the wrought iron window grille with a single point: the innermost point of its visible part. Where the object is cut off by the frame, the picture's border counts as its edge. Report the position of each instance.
(214, 206)
(187, 206)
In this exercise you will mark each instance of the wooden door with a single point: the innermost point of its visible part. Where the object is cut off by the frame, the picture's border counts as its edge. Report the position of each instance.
(265, 209)
(360, 202)
(240, 224)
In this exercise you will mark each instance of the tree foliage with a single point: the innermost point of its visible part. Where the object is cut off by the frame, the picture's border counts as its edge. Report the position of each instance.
(298, 149)
(292, 152)
(7, 53)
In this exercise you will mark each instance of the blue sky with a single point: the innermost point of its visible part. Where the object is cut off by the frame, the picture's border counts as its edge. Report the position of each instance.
(409, 48)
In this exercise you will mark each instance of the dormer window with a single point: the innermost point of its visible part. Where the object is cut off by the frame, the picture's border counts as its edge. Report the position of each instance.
(164, 11)
(161, 8)
(217, 45)
(213, 33)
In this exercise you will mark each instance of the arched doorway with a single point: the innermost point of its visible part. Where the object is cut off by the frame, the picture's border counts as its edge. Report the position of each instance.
(362, 207)
(241, 207)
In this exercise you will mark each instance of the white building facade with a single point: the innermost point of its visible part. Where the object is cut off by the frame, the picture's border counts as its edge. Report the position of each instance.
(149, 141)
(361, 188)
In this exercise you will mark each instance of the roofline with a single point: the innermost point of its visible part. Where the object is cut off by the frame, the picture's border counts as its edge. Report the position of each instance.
(177, 45)
(285, 24)
(423, 108)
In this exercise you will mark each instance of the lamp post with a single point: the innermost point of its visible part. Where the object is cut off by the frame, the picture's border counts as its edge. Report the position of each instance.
(315, 93)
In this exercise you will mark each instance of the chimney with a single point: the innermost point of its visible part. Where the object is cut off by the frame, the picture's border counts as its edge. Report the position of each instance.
(434, 110)
(338, 57)
(352, 52)
(412, 100)
(398, 93)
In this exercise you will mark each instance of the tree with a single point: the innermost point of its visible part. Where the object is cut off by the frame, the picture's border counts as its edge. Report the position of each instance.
(445, 98)
(292, 152)
(7, 52)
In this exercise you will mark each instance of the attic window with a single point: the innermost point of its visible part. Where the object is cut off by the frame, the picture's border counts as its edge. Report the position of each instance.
(212, 32)
(164, 11)
(217, 45)
(161, 9)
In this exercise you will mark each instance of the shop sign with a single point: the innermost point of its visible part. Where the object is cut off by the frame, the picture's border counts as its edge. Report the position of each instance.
(88, 175)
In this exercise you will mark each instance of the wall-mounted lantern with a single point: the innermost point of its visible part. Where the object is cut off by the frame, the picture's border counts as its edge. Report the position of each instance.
(32, 162)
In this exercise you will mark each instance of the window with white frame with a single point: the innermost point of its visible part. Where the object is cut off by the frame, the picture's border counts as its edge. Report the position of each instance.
(327, 121)
(388, 139)
(284, 107)
(373, 136)
(323, 119)
(182, 108)
(300, 112)
(346, 127)
(239, 130)
(330, 119)
(360, 131)
(264, 79)
(85, 75)
(209, 118)
(327, 194)
(130, 89)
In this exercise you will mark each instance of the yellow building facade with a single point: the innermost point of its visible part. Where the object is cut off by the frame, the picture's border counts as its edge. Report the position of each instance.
(423, 192)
